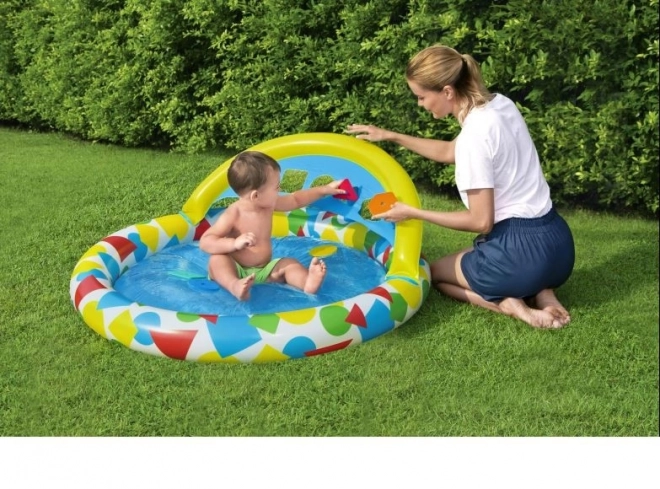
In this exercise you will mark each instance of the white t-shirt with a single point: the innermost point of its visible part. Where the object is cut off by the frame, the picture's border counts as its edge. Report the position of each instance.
(494, 150)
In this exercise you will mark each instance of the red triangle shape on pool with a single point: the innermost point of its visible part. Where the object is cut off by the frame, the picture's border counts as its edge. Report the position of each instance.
(174, 344)
(382, 292)
(356, 317)
(87, 285)
(201, 229)
(124, 246)
(327, 349)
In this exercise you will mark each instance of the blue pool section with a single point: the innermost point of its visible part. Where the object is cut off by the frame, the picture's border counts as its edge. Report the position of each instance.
(175, 279)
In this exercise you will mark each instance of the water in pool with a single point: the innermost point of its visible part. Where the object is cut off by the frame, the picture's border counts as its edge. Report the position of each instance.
(176, 279)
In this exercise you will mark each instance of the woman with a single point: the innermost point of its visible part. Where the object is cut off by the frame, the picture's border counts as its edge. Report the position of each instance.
(524, 248)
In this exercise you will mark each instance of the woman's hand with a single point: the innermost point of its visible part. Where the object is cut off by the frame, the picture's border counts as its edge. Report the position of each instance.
(398, 212)
(370, 133)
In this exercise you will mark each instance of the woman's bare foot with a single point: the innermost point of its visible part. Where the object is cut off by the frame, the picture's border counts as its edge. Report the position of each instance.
(546, 300)
(241, 288)
(315, 276)
(536, 318)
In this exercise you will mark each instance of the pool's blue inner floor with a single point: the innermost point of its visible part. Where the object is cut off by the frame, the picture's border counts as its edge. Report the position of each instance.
(176, 279)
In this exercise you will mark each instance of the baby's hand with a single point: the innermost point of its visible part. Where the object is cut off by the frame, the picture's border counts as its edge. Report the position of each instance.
(245, 240)
(333, 188)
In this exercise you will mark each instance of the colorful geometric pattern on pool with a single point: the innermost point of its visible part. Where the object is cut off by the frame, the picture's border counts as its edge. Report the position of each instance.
(206, 335)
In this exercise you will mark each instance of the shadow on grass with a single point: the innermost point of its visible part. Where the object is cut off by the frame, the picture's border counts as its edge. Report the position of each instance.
(612, 266)
(436, 311)
(626, 272)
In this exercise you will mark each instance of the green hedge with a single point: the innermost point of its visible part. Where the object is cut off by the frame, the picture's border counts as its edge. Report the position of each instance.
(194, 75)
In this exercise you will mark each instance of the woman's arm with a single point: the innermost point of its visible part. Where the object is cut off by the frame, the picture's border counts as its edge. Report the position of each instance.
(479, 218)
(433, 149)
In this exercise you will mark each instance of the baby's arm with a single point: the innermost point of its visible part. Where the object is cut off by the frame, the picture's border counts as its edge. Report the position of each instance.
(302, 198)
(216, 239)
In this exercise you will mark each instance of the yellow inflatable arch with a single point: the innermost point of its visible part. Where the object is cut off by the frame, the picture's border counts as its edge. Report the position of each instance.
(391, 176)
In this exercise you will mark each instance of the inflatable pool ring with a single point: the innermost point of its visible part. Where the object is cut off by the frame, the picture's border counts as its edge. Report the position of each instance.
(263, 337)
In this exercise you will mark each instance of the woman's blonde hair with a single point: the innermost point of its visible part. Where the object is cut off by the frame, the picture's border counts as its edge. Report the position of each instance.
(439, 66)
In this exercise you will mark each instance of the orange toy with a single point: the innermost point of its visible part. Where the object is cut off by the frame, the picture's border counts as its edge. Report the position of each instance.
(381, 203)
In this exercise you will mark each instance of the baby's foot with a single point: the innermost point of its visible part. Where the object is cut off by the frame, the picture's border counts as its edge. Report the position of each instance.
(241, 288)
(547, 301)
(315, 276)
(536, 318)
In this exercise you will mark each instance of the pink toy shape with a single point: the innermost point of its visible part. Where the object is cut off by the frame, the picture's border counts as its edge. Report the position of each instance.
(350, 194)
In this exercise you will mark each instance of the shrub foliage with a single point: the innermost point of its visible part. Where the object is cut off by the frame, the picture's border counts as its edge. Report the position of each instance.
(193, 75)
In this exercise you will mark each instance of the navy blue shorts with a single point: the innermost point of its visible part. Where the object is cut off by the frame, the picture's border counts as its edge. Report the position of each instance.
(520, 257)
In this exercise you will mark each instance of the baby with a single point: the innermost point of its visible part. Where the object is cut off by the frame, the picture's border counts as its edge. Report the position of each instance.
(240, 240)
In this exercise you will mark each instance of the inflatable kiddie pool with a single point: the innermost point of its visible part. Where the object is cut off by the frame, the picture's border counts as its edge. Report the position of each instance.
(287, 328)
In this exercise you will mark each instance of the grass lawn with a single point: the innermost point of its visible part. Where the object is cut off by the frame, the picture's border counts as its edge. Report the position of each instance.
(452, 371)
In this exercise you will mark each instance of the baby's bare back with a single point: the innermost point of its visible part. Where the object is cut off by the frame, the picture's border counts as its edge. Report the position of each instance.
(259, 223)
